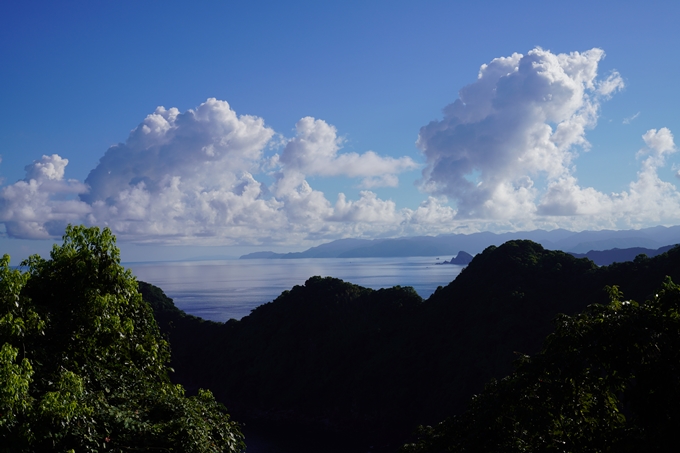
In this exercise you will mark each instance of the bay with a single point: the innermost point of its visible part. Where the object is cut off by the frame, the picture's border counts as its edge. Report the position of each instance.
(224, 289)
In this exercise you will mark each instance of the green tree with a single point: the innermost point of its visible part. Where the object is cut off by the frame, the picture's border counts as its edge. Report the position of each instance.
(83, 366)
(607, 379)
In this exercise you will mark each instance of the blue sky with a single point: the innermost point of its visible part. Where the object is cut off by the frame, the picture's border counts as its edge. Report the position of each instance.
(302, 122)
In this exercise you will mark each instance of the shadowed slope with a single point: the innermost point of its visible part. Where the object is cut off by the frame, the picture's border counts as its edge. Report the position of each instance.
(338, 355)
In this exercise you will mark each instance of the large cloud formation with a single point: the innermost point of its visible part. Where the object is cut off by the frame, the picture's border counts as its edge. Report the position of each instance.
(191, 177)
(523, 118)
(184, 174)
(42, 204)
(505, 150)
(503, 155)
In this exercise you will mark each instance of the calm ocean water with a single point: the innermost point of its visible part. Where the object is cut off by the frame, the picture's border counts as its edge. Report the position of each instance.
(220, 290)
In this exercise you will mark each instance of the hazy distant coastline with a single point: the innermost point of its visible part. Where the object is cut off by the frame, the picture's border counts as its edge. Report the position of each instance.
(647, 240)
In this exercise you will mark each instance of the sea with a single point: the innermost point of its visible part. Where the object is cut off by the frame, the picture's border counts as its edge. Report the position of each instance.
(226, 289)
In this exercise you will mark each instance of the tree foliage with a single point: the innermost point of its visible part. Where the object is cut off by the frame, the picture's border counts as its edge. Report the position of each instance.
(83, 366)
(386, 361)
(607, 379)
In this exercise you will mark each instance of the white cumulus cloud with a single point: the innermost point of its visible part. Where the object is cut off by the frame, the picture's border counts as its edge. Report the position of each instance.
(524, 117)
(194, 177)
(183, 175)
(43, 203)
(314, 152)
(648, 201)
(206, 148)
(502, 158)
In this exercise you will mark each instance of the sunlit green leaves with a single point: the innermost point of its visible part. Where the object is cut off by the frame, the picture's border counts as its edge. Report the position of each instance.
(83, 366)
(15, 378)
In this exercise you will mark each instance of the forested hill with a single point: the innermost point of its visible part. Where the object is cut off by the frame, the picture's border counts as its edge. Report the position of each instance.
(616, 255)
(345, 357)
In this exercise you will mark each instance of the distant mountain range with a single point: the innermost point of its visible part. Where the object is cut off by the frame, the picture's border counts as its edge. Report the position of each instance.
(648, 240)
(607, 257)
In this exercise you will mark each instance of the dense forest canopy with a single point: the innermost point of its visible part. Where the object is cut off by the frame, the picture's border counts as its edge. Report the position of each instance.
(84, 357)
(341, 357)
(83, 366)
(607, 379)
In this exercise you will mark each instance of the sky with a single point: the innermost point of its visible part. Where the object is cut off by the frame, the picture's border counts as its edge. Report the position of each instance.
(222, 128)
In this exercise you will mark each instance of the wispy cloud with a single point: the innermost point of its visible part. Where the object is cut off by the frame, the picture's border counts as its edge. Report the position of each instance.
(630, 118)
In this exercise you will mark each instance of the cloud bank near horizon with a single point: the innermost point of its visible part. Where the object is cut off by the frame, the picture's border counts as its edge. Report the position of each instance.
(190, 177)
(501, 159)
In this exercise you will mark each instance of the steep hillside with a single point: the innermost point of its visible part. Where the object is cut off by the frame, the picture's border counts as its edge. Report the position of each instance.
(337, 355)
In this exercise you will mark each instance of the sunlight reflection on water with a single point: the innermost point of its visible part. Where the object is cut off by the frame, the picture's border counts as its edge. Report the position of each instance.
(220, 290)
